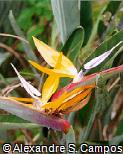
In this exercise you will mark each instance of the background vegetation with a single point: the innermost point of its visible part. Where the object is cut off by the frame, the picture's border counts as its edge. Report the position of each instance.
(81, 34)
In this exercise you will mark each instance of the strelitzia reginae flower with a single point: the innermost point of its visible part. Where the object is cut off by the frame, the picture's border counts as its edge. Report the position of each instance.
(67, 68)
(70, 98)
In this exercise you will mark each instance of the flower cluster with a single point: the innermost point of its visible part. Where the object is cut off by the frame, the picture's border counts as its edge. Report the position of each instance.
(47, 108)
(61, 67)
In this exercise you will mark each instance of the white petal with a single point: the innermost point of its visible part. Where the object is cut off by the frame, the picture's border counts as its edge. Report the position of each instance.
(27, 86)
(98, 60)
(78, 77)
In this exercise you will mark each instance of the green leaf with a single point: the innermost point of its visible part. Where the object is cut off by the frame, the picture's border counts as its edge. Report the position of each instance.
(116, 141)
(99, 105)
(86, 18)
(121, 80)
(13, 122)
(28, 50)
(67, 16)
(89, 47)
(11, 119)
(94, 32)
(73, 44)
(7, 125)
(109, 12)
(72, 49)
(120, 128)
(3, 57)
(105, 46)
(34, 31)
(54, 35)
(5, 6)
(109, 63)
(70, 137)
(103, 98)
(71, 118)
(25, 18)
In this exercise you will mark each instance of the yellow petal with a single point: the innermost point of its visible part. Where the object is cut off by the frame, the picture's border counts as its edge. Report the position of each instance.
(59, 60)
(49, 87)
(41, 68)
(54, 105)
(51, 83)
(63, 72)
(22, 99)
(51, 56)
(48, 71)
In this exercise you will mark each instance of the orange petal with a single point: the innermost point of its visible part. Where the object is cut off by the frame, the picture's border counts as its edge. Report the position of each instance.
(54, 105)
(74, 92)
(71, 90)
(74, 100)
(59, 105)
(78, 106)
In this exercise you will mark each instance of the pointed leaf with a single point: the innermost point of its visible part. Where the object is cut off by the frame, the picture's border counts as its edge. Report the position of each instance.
(8, 126)
(67, 16)
(86, 19)
(109, 11)
(3, 57)
(74, 43)
(28, 50)
(8, 118)
(70, 137)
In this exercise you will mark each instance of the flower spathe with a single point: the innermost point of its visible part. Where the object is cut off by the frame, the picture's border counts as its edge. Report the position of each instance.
(31, 114)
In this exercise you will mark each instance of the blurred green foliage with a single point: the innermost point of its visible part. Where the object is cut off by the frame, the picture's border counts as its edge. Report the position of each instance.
(35, 17)
(101, 30)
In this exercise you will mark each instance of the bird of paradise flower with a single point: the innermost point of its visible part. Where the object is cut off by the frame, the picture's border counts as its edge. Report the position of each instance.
(68, 99)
